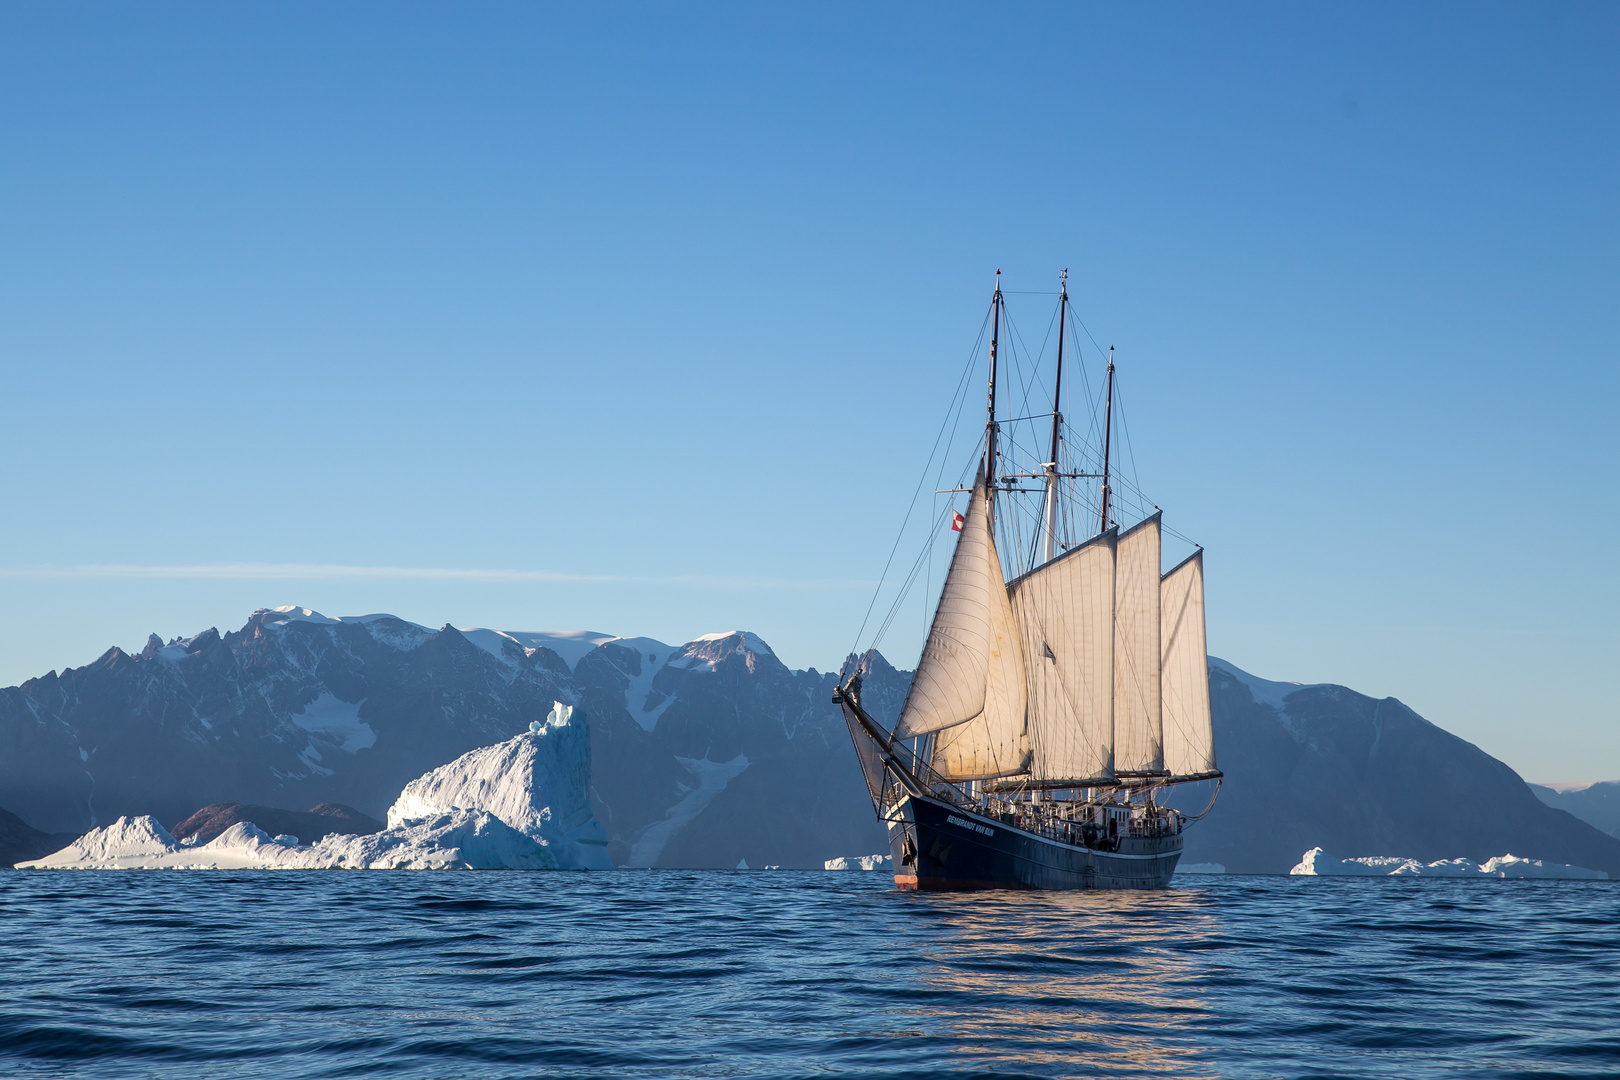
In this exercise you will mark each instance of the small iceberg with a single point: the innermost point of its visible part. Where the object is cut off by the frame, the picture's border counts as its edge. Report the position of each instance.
(1318, 863)
(859, 862)
(1200, 868)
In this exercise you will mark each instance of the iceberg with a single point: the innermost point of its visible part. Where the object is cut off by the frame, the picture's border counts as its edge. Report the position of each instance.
(539, 783)
(460, 840)
(457, 840)
(1318, 863)
(1200, 868)
(524, 804)
(859, 862)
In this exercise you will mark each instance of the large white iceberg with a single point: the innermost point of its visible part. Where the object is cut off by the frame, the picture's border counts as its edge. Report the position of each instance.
(1318, 863)
(460, 840)
(523, 804)
(538, 783)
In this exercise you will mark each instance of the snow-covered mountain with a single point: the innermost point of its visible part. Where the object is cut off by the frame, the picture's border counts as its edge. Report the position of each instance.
(705, 754)
(1323, 766)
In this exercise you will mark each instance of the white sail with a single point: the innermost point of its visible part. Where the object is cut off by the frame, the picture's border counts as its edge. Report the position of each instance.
(953, 673)
(1138, 739)
(1065, 610)
(1189, 739)
(994, 743)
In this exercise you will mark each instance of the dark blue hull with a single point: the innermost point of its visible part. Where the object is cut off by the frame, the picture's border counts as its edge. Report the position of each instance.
(939, 846)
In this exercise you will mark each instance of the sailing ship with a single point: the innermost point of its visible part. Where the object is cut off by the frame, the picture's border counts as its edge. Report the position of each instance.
(1053, 707)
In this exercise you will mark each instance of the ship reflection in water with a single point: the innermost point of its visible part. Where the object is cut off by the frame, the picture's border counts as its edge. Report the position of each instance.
(1111, 981)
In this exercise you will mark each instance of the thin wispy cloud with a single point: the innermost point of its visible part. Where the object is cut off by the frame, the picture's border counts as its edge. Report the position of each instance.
(338, 572)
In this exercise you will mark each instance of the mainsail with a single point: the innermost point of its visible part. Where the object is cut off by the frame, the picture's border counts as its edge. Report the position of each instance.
(1065, 612)
(1138, 739)
(1189, 738)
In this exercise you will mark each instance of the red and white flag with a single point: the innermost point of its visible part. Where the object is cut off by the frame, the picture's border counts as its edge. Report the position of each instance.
(956, 521)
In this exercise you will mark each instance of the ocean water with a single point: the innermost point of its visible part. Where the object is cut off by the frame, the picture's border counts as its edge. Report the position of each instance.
(714, 974)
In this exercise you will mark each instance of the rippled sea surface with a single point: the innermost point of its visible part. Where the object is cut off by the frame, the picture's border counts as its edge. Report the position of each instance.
(715, 974)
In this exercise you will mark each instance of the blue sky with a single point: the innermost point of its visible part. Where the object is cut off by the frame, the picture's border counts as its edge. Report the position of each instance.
(650, 313)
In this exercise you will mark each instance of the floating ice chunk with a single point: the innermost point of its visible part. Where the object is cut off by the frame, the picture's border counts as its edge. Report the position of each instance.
(1318, 863)
(859, 862)
(1511, 866)
(1200, 868)
(742, 864)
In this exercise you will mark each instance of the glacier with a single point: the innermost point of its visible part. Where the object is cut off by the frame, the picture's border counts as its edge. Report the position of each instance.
(523, 804)
(1318, 863)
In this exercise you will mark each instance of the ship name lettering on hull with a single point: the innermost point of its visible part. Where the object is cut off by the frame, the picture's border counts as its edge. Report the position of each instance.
(973, 825)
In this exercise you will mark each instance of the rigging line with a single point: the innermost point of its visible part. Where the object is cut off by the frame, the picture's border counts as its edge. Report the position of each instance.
(906, 586)
(921, 481)
(1036, 367)
(1080, 354)
(1082, 324)
(1126, 429)
(1015, 342)
(925, 554)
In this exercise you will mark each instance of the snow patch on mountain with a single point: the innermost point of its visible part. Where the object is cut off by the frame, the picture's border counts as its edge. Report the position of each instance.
(1265, 691)
(539, 783)
(571, 645)
(385, 629)
(706, 653)
(1318, 863)
(712, 778)
(336, 722)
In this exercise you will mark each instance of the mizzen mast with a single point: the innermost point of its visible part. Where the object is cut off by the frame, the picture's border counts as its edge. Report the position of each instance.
(1108, 441)
(1051, 465)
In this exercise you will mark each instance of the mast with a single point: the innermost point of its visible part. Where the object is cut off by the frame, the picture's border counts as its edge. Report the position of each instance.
(1108, 440)
(1057, 427)
(990, 419)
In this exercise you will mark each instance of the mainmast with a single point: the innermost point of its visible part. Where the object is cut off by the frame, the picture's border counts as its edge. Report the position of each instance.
(990, 420)
(1057, 427)
(1108, 440)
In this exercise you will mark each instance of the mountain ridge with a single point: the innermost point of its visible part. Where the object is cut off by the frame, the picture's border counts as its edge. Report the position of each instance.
(707, 753)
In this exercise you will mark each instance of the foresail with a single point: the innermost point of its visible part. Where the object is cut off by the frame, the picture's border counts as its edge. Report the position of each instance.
(1189, 738)
(1065, 613)
(994, 743)
(953, 673)
(1138, 737)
